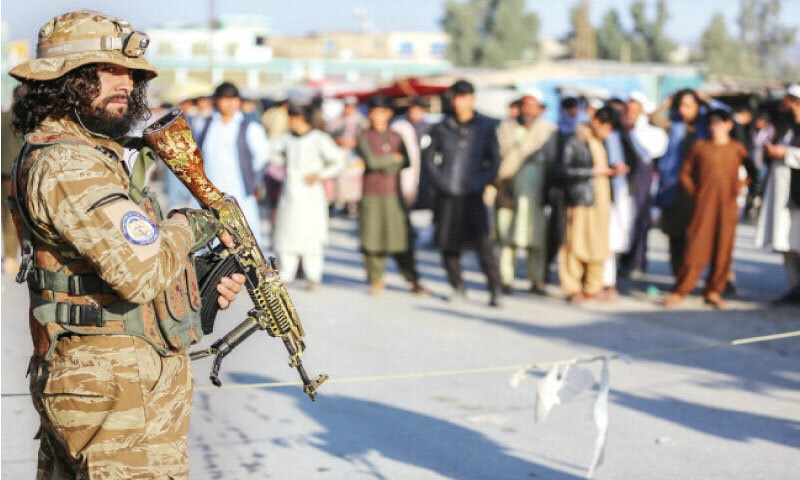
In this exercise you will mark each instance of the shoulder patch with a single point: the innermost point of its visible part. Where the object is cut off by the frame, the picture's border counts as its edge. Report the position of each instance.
(139, 229)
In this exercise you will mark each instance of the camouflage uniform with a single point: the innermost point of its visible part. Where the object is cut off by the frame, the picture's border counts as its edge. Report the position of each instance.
(114, 298)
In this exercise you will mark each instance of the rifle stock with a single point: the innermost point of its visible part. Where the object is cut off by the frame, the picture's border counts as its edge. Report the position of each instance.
(171, 137)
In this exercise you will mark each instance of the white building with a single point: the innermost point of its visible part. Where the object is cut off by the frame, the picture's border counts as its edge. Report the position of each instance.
(241, 50)
(200, 55)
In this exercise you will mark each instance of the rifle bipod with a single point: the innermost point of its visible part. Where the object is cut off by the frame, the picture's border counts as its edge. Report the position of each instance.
(232, 339)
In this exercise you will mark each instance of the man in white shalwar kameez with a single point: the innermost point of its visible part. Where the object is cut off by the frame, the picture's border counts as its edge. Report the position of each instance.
(218, 136)
(301, 226)
(779, 219)
(621, 215)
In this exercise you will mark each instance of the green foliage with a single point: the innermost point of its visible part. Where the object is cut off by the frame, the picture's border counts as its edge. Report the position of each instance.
(646, 42)
(758, 53)
(649, 42)
(719, 49)
(460, 23)
(490, 33)
(610, 36)
(763, 37)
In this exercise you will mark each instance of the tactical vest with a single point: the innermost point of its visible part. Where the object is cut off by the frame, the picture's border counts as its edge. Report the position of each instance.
(67, 297)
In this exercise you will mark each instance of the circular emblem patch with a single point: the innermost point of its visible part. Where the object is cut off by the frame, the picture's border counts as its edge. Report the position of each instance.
(139, 229)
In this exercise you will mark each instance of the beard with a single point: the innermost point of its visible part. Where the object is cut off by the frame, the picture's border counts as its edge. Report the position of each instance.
(525, 121)
(113, 124)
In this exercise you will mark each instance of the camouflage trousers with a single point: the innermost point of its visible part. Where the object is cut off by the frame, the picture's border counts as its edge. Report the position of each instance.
(111, 408)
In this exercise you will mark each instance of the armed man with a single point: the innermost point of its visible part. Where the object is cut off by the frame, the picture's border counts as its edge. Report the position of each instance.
(114, 302)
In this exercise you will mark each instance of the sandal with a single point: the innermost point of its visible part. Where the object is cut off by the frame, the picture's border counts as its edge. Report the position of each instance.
(672, 300)
(716, 301)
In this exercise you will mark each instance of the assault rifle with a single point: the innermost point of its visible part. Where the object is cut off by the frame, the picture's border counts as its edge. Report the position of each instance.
(273, 310)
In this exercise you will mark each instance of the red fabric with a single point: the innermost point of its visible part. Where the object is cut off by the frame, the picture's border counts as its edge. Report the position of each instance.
(409, 87)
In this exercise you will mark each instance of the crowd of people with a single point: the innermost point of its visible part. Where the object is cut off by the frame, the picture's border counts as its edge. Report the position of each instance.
(576, 197)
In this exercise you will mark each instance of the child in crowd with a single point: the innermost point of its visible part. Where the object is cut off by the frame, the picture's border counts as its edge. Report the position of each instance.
(710, 175)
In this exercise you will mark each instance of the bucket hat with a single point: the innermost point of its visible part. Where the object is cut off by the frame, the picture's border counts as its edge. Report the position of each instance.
(74, 39)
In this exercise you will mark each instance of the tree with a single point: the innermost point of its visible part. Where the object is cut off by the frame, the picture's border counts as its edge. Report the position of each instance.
(763, 38)
(460, 22)
(758, 52)
(582, 39)
(721, 52)
(649, 42)
(610, 37)
(490, 33)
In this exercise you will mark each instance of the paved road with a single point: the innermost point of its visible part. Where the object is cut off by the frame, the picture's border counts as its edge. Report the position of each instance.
(723, 413)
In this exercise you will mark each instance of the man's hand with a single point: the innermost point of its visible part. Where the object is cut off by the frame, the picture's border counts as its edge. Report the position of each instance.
(775, 151)
(703, 96)
(346, 142)
(602, 170)
(229, 287)
(620, 169)
(312, 178)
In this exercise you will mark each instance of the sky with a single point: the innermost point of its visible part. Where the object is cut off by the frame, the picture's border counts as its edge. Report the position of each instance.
(688, 17)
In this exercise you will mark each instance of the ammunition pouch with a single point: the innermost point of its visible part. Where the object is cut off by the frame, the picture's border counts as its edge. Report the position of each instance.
(178, 310)
(171, 322)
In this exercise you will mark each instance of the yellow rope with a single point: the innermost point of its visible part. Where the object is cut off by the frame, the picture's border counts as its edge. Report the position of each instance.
(511, 368)
(504, 368)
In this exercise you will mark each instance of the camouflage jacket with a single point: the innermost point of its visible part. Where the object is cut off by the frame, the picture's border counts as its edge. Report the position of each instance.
(77, 201)
(78, 195)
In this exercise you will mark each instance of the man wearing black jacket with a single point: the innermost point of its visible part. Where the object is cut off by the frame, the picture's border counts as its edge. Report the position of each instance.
(461, 156)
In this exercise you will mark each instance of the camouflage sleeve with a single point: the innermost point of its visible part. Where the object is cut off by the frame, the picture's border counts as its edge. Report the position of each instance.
(203, 223)
(80, 196)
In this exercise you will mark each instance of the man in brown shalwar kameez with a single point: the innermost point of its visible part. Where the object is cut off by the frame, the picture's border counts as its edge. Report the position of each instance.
(710, 175)
(585, 173)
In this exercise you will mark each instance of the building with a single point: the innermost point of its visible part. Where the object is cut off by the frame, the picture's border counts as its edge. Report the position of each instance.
(425, 47)
(235, 50)
(241, 49)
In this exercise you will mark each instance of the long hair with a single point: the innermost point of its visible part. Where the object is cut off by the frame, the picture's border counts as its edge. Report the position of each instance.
(677, 97)
(74, 91)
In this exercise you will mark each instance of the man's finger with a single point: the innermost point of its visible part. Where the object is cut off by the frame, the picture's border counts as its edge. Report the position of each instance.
(223, 302)
(228, 288)
(226, 239)
(237, 282)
